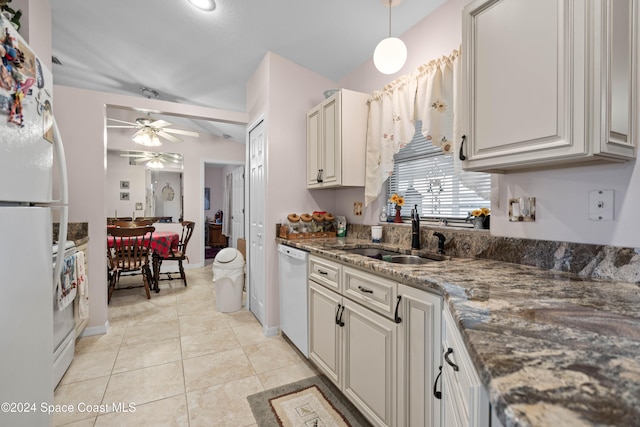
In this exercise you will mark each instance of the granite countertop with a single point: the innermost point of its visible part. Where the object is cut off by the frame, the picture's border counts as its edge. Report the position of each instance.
(552, 349)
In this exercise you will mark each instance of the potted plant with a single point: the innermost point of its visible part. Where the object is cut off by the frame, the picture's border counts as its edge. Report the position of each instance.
(480, 218)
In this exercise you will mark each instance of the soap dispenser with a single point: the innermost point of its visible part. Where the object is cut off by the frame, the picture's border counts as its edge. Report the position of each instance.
(415, 228)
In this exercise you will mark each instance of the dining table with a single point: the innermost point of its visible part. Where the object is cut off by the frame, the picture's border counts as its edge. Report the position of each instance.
(161, 245)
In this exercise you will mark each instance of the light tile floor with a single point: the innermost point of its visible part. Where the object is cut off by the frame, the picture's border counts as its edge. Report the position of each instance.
(176, 360)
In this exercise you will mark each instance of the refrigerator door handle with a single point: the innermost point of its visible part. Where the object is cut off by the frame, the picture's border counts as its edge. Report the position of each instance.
(63, 201)
(62, 167)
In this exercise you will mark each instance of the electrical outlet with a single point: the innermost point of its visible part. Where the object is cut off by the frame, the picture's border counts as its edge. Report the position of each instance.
(357, 208)
(601, 205)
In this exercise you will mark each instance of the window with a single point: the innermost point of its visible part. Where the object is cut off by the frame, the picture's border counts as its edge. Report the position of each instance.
(425, 176)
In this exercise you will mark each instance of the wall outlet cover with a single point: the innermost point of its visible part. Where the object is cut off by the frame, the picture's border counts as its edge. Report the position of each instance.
(601, 205)
(357, 208)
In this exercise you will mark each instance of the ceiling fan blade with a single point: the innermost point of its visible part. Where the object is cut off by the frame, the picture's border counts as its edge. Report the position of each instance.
(120, 127)
(133, 155)
(122, 121)
(159, 124)
(182, 132)
(167, 136)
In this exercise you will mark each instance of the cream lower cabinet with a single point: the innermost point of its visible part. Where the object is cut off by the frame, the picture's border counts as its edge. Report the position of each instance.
(464, 399)
(356, 349)
(378, 341)
(419, 357)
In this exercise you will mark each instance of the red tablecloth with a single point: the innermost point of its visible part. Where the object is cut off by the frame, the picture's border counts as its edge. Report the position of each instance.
(161, 242)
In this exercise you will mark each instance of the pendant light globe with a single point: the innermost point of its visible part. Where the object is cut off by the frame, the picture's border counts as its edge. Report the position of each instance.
(206, 5)
(390, 55)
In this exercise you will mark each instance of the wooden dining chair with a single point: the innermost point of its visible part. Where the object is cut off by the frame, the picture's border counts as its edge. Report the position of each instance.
(180, 253)
(135, 223)
(129, 252)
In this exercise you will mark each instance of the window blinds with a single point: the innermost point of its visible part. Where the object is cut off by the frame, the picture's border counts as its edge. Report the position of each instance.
(425, 176)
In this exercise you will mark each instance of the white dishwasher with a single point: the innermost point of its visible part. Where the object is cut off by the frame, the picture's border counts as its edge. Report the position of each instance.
(293, 296)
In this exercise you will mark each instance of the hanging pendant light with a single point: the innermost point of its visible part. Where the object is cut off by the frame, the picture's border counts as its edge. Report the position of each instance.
(206, 5)
(391, 53)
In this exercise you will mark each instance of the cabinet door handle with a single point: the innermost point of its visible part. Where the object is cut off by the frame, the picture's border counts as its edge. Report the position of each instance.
(319, 176)
(446, 358)
(437, 394)
(337, 314)
(340, 322)
(396, 317)
(461, 154)
(365, 290)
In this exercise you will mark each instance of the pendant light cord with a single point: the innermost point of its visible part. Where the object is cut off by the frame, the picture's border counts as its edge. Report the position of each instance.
(390, 2)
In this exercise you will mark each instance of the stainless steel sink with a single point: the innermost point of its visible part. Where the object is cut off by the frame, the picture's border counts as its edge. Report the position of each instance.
(371, 252)
(408, 259)
(396, 257)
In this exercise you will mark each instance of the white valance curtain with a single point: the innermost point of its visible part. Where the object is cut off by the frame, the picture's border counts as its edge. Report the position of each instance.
(432, 94)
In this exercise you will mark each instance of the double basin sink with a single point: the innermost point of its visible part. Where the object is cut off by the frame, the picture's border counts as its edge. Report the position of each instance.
(395, 257)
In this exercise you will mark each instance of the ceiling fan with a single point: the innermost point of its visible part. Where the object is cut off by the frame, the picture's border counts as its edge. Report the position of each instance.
(149, 130)
(153, 160)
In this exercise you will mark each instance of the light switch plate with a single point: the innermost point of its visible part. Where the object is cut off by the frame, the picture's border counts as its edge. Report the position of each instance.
(601, 205)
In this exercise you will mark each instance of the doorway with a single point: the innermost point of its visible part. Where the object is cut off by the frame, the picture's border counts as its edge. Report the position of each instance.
(223, 207)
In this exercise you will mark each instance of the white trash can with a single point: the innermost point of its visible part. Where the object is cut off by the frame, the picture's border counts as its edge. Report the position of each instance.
(228, 277)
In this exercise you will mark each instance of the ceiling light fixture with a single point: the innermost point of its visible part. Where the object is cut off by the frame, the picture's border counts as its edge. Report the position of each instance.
(206, 5)
(391, 53)
(155, 164)
(147, 138)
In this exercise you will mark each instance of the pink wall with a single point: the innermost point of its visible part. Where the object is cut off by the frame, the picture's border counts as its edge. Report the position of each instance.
(562, 194)
(85, 140)
(282, 92)
(214, 179)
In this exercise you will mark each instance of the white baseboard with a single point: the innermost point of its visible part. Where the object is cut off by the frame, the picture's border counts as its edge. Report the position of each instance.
(95, 330)
(271, 332)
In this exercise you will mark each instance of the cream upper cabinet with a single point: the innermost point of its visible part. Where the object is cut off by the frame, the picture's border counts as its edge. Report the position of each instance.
(336, 137)
(548, 82)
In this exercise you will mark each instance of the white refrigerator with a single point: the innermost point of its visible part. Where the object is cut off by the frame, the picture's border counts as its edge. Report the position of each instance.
(29, 139)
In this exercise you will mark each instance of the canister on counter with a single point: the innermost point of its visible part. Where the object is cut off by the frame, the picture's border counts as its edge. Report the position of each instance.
(305, 223)
(294, 223)
(329, 223)
(318, 222)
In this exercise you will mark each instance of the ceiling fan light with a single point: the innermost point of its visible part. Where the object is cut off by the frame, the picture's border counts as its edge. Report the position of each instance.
(155, 164)
(148, 139)
(390, 55)
(206, 5)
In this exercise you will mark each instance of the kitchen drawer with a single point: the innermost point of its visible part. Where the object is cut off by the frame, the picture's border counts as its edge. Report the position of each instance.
(325, 272)
(371, 291)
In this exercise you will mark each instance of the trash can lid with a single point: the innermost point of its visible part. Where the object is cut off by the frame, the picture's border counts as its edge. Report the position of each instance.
(229, 257)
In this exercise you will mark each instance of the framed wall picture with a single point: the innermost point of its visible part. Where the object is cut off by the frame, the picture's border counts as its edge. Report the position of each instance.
(124, 185)
(207, 203)
(124, 196)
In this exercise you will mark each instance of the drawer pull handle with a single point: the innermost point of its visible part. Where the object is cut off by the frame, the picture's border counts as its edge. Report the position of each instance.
(324, 273)
(365, 290)
(437, 394)
(397, 318)
(446, 358)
